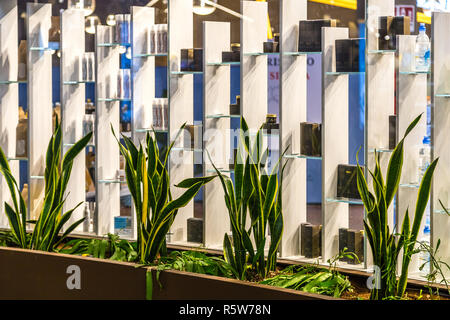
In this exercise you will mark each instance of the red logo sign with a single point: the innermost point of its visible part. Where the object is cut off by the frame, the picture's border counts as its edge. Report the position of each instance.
(409, 11)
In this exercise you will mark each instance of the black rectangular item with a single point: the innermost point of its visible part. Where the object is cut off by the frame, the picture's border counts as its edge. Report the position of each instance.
(310, 34)
(347, 186)
(310, 139)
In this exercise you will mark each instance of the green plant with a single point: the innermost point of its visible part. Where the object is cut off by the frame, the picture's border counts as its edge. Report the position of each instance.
(195, 261)
(311, 279)
(149, 184)
(110, 247)
(258, 194)
(50, 221)
(386, 246)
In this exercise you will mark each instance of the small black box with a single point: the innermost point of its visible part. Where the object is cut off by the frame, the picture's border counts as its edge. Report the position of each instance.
(195, 230)
(392, 132)
(310, 139)
(269, 47)
(310, 240)
(389, 28)
(347, 185)
(343, 241)
(348, 55)
(235, 109)
(229, 56)
(310, 34)
(355, 244)
(191, 59)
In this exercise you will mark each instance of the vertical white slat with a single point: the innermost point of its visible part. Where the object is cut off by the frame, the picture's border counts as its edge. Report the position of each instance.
(293, 109)
(411, 101)
(181, 107)
(107, 115)
(380, 96)
(334, 141)
(72, 105)
(440, 222)
(216, 88)
(253, 67)
(40, 130)
(143, 72)
(9, 94)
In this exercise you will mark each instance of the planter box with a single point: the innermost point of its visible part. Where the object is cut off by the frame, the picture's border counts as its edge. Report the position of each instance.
(27, 274)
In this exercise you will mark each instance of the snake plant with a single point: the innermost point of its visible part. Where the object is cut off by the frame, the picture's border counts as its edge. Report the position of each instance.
(45, 235)
(385, 244)
(149, 184)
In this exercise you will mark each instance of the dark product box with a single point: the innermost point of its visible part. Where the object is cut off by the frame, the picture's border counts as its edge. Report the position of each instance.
(191, 59)
(392, 132)
(234, 55)
(347, 186)
(192, 137)
(353, 240)
(389, 28)
(272, 46)
(348, 56)
(311, 242)
(310, 139)
(310, 34)
(235, 109)
(195, 230)
(271, 123)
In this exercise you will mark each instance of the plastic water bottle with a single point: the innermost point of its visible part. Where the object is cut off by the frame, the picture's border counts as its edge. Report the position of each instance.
(424, 157)
(422, 50)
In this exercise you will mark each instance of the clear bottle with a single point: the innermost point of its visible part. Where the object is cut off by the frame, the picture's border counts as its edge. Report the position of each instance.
(422, 50)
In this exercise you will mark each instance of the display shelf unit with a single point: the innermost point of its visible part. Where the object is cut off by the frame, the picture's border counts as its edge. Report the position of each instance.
(379, 97)
(9, 93)
(293, 107)
(106, 115)
(216, 134)
(440, 144)
(181, 106)
(411, 101)
(40, 126)
(334, 128)
(73, 98)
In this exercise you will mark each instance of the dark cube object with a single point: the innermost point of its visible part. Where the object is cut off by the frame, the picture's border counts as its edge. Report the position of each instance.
(230, 56)
(348, 55)
(195, 230)
(392, 132)
(310, 34)
(191, 59)
(310, 139)
(389, 28)
(270, 47)
(235, 109)
(343, 241)
(355, 244)
(347, 186)
(310, 240)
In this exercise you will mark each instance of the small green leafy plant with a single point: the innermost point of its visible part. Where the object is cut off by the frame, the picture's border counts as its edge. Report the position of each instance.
(110, 247)
(257, 194)
(45, 235)
(149, 184)
(386, 246)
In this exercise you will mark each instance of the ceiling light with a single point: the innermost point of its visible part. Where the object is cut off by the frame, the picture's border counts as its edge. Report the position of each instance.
(87, 5)
(90, 24)
(111, 20)
(202, 8)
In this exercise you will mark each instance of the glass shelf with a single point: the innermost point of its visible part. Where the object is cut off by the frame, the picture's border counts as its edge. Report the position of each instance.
(344, 200)
(442, 95)
(409, 185)
(248, 54)
(300, 53)
(343, 73)
(75, 82)
(415, 72)
(186, 149)
(72, 144)
(140, 130)
(441, 212)
(41, 49)
(181, 73)
(113, 44)
(37, 177)
(220, 116)
(218, 64)
(111, 181)
(12, 81)
(145, 55)
(381, 150)
(113, 99)
(220, 170)
(17, 159)
(300, 156)
(381, 51)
